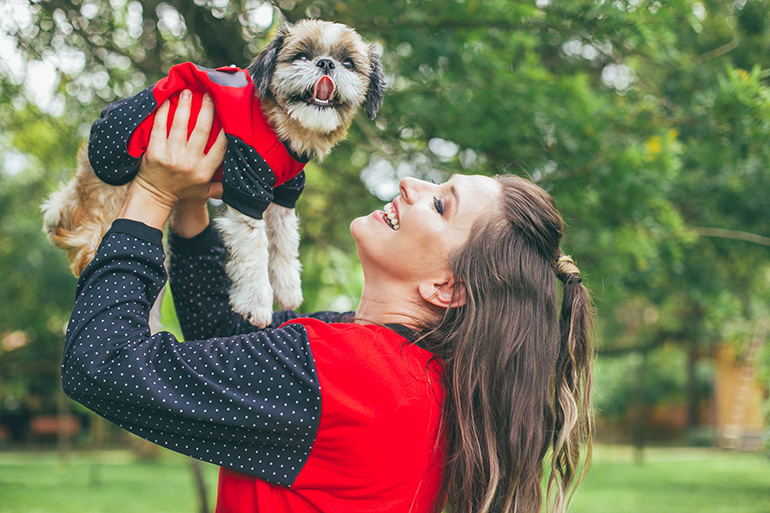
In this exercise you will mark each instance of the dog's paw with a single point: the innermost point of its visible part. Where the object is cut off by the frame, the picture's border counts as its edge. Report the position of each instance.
(286, 282)
(256, 313)
(288, 297)
(260, 317)
(254, 300)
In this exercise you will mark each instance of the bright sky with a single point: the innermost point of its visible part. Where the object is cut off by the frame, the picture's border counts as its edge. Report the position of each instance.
(39, 79)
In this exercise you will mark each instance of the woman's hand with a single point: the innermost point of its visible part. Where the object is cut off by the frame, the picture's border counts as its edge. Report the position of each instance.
(174, 168)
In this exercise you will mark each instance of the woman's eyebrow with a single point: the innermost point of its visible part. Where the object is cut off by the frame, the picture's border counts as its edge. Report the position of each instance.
(453, 191)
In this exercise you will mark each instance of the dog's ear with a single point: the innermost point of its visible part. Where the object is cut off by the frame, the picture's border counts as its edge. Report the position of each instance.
(262, 67)
(376, 87)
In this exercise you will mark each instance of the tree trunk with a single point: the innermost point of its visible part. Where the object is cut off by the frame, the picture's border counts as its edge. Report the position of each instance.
(200, 485)
(639, 408)
(692, 385)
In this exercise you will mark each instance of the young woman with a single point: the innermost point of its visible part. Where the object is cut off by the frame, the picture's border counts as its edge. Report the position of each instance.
(453, 382)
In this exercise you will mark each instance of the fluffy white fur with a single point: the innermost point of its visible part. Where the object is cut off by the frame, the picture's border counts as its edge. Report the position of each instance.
(285, 269)
(263, 254)
(246, 239)
(252, 243)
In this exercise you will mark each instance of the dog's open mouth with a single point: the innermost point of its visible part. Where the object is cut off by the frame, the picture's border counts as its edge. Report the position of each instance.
(323, 91)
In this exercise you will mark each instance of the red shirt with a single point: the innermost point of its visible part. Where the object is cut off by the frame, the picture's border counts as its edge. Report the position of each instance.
(311, 414)
(377, 448)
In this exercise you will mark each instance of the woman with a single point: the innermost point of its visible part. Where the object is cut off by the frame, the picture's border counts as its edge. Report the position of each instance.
(453, 381)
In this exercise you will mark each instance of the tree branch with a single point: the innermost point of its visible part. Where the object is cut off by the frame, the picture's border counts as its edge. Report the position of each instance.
(733, 234)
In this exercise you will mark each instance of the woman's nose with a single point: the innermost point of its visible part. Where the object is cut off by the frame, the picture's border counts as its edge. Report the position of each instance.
(410, 189)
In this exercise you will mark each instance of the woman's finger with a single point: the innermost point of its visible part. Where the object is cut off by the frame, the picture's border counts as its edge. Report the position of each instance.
(158, 134)
(178, 135)
(200, 134)
(216, 153)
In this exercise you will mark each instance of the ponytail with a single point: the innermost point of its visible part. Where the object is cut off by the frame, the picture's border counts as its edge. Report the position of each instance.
(516, 371)
(572, 386)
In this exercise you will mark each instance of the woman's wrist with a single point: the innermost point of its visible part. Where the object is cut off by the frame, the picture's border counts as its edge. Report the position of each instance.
(144, 206)
(189, 218)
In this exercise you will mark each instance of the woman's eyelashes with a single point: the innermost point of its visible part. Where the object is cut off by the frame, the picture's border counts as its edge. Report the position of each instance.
(438, 205)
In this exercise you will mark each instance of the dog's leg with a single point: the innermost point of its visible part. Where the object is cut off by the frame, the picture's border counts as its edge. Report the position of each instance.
(246, 239)
(285, 269)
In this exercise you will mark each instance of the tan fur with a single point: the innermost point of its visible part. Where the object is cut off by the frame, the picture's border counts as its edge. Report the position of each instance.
(328, 39)
(302, 140)
(79, 214)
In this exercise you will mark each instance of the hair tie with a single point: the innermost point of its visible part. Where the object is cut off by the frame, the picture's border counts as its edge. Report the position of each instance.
(567, 271)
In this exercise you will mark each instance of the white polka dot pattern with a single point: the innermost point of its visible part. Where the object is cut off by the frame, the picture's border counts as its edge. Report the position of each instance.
(247, 180)
(201, 290)
(249, 402)
(108, 141)
(288, 193)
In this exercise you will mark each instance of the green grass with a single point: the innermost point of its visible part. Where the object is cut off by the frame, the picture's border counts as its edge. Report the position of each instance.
(108, 482)
(668, 481)
(675, 481)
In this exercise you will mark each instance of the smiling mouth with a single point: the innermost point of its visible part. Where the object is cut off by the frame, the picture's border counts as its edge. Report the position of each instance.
(323, 91)
(390, 216)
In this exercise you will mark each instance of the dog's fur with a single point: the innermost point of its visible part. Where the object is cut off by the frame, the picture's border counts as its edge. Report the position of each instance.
(284, 73)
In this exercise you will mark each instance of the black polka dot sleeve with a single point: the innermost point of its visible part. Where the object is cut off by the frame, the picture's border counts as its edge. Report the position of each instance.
(288, 193)
(200, 286)
(249, 402)
(201, 290)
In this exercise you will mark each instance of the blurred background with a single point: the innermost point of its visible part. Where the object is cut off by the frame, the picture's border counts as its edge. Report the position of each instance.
(648, 121)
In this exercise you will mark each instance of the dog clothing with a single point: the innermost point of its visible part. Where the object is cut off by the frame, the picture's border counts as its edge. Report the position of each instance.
(258, 167)
(310, 414)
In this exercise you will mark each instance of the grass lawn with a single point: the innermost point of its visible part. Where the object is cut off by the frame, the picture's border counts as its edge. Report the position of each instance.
(675, 480)
(668, 481)
(107, 482)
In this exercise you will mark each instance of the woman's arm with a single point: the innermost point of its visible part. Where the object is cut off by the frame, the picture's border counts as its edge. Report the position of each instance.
(250, 403)
(200, 286)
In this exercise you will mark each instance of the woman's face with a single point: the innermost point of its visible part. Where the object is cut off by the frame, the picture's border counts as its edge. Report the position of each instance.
(429, 222)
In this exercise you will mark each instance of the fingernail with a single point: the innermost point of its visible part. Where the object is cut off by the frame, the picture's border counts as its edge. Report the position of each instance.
(186, 94)
(206, 97)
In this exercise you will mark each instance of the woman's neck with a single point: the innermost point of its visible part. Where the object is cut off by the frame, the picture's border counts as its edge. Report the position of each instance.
(390, 305)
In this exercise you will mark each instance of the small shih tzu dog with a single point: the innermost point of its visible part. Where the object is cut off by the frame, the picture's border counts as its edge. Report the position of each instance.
(293, 104)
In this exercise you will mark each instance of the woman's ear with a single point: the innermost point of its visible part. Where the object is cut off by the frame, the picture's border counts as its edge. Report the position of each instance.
(444, 294)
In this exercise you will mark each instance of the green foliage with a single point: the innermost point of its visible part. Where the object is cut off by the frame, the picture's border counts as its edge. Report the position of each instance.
(659, 377)
(36, 285)
(648, 121)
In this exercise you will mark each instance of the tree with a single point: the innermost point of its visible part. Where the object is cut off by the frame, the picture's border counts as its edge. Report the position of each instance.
(647, 121)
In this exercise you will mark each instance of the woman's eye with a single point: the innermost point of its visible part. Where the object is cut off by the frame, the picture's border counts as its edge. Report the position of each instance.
(438, 205)
(348, 64)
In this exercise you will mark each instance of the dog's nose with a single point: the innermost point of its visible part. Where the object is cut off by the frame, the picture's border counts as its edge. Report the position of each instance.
(325, 64)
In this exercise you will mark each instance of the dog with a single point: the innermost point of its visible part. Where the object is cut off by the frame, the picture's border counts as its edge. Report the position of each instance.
(294, 102)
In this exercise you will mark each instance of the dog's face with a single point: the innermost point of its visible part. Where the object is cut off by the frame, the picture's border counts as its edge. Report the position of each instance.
(319, 73)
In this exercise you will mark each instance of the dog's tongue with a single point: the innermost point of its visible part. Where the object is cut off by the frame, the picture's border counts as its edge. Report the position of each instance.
(324, 88)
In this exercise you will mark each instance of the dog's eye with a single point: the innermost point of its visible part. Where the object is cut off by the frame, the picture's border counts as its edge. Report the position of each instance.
(300, 57)
(348, 64)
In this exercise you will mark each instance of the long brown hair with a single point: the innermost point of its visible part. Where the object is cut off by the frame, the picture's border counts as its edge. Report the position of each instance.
(517, 371)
